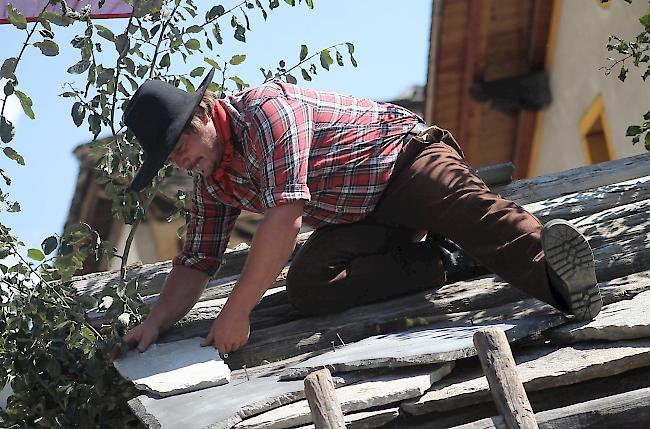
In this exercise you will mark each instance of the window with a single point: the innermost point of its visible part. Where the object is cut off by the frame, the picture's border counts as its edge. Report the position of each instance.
(596, 140)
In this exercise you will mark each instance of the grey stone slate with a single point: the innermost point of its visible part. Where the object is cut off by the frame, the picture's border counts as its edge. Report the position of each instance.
(538, 369)
(222, 407)
(367, 419)
(416, 347)
(376, 391)
(621, 320)
(173, 368)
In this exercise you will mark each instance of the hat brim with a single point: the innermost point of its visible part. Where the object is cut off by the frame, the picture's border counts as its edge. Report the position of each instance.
(152, 164)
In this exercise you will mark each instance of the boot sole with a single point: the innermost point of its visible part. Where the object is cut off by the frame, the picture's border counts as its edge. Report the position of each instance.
(569, 256)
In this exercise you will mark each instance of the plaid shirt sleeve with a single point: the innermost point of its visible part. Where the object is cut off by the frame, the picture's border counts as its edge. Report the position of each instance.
(284, 129)
(208, 231)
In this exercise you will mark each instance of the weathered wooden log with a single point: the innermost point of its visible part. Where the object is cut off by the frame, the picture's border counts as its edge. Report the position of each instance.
(625, 410)
(321, 396)
(523, 192)
(501, 372)
(576, 180)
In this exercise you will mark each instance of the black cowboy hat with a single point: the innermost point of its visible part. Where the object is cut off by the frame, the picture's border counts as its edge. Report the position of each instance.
(157, 114)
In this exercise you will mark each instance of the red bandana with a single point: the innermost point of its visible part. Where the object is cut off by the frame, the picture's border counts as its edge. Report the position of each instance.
(220, 119)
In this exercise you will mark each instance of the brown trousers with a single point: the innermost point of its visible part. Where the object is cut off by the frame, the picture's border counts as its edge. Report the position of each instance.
(432, 189)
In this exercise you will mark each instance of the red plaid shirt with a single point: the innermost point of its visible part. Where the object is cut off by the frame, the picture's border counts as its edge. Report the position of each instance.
(335, 152)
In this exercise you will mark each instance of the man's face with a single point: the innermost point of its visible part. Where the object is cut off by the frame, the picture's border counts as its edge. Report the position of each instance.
(199, 152)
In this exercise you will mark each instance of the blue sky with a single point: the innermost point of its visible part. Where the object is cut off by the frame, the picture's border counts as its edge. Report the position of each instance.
(391, 47)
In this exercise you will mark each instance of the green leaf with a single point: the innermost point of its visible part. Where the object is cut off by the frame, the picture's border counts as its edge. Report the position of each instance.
(645, 21)
(16, 17)
(36, 254)
(633, 130)
(291, 79)
(197, 72)
(78, 113)
(350, 48)
(7, 130)
(304, 51)
(193, 45)
(6, 178)
(124, 319)
(122, 44)
(647, 141)
(95, 124)
(647, 116)
(310, 4)
(105, 33)
(216, 32)
(240, 33)
(212, 62)
(13, 207)
(56, 18)
(215, 12)
(12, 154)
(240, 83)
(49, 48)
(194, 29)
(165, 61)
(180, 232)
(26, 103)
(105, 303)
(88, 333)
(46, 34)
(339, 58)
(9, 88)
(237, 59)
(325, 59)
(623, 74)
(305, 75)
(290, 2)
(8, 67)
(189, 87)
(49, 244)
(79, 68)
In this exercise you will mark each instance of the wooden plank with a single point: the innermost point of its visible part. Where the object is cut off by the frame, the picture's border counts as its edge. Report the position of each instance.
(501, 372)
(629, 409)
(576, 180)
(320, 394)
(603, 201)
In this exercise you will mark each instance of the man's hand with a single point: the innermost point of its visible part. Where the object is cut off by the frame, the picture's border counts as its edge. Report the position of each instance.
(272, 245)
(229, 331)
(142, 335)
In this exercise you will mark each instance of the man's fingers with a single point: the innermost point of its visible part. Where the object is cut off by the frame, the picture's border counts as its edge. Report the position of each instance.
(208, 340)
(145, 342)
(131, 336)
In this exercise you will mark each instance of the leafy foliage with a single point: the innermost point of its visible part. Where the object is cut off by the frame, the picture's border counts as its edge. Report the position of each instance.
(637, 52)
(56, 344)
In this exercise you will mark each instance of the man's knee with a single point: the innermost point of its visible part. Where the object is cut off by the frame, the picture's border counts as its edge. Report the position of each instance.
(314, 298)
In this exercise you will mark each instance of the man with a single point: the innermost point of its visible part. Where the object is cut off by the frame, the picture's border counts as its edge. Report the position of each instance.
(368, 176)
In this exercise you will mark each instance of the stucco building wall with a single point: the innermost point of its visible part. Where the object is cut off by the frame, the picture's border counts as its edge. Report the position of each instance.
(576, 81)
